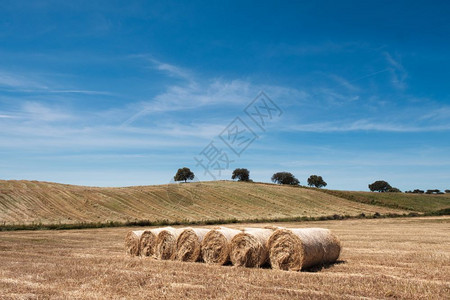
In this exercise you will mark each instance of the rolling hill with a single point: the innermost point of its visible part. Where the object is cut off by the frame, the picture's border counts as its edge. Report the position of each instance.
(27, 202)
(416, 202)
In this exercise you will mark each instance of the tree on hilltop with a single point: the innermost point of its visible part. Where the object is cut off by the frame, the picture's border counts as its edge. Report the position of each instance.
(316, 181)
(241, 174)
(285, 178)
(379, 186)
(184, 174)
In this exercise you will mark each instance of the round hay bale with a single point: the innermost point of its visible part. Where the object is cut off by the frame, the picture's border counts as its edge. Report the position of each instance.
(216, 245)
(147, 243)
(166, 243)
(132, 242)
(299, 248)
(249, 248)
(189, 244)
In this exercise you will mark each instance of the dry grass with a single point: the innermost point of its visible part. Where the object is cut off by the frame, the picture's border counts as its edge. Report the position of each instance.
(381, 258)
(26, 202)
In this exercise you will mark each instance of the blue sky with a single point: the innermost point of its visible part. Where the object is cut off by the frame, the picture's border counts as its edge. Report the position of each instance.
(115, 93)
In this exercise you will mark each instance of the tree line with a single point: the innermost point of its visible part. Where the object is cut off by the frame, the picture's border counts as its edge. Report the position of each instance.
(287, 178)
(242, 174)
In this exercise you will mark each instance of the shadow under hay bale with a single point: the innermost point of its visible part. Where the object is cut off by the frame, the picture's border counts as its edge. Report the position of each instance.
(189, 244)
(318, 268)
(216, 245)
(301, 248)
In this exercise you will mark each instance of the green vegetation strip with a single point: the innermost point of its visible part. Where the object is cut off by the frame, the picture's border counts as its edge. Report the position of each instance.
(413, 202)
(39, 226)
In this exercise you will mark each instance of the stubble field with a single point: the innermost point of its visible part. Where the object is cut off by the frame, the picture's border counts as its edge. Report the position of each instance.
(381, 258)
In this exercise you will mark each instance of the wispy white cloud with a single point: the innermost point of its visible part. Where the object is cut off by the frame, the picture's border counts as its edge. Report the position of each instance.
(442, 113)
(365, 125)
(312, 49)
(27, 83)
(83, 92)
(218, 92)
(191, 96)
(332, 96)
(398, 72)
(17, 81)
(40, 112)
(32, 111)
(5, 116)
(171, 70)
(196, 93)
(345, 83)
(367, 160)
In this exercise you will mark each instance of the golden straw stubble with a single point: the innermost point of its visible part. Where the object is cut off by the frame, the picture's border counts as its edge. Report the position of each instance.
(216, 245)
(299, 248)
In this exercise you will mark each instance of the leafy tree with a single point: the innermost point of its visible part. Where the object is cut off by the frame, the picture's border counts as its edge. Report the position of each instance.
(447, 191)
(393, 190)
(241, 175)
(433, 192)
(285, 178)
(184, 174)
(379, 186)
(316, 181)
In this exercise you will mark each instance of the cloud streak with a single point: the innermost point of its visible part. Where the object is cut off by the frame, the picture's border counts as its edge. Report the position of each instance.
(398, 72)
(364, 125)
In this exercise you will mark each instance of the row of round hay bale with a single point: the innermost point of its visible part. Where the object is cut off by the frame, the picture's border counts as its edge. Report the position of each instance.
(299, 248)
(285, 249)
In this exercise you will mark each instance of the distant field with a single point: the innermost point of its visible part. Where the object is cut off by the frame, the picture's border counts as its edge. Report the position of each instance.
(26, 202)
(416, 202)
(407, 258)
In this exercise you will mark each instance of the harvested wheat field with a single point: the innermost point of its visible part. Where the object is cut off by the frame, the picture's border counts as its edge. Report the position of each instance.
(405, 258)
(27, 202)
